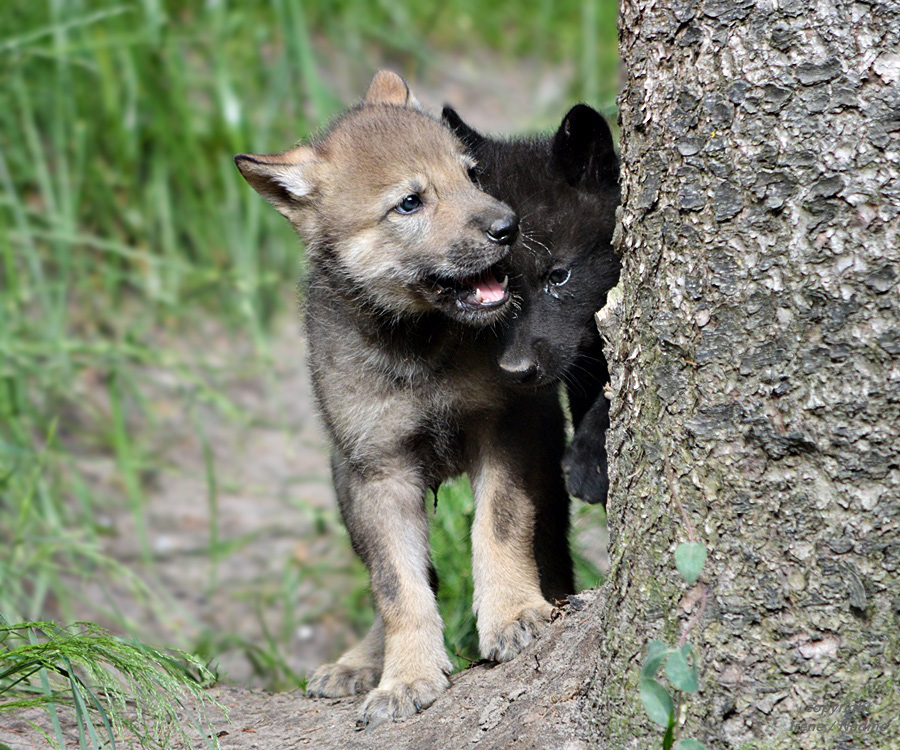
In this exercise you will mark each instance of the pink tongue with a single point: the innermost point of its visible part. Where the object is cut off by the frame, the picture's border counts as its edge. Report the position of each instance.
(490, 288)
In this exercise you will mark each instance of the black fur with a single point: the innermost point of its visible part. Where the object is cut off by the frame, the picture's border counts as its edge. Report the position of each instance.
(564, 188)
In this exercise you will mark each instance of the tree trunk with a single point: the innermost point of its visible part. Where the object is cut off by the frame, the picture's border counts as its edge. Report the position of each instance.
(757, 381)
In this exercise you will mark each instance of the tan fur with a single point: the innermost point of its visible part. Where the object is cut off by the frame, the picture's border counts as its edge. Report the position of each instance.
(359, 669)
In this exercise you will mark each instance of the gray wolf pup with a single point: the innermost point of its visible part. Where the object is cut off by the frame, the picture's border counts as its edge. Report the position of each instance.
(565, 189)
(403, 292)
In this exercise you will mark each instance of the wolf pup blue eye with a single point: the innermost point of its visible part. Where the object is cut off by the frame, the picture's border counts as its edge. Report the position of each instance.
(409, 205)
(559, 276)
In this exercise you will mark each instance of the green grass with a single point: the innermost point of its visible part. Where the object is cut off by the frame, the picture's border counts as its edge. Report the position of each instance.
(113, 687)
(121, 215)
(451, 544)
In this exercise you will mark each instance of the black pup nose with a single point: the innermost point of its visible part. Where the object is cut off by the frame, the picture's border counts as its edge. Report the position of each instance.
(503, 231)
(518, 370)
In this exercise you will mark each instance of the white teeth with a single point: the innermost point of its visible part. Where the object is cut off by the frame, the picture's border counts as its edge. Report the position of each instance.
(505, 282)
(477, 296)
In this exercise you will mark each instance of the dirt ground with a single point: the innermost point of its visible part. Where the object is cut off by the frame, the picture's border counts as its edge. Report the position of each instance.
(273, 507)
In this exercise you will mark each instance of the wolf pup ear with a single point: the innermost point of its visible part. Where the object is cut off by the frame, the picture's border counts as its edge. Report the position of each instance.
(389, 88)
(469, 136)
(583, 148)
(285, 180)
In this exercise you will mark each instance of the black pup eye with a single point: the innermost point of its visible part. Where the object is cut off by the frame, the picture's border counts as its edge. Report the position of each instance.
(474, 174)
(409, 205)
(559, 276)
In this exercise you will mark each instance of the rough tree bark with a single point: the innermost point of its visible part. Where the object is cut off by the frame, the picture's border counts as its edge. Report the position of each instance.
(756, 392)
(756, 405)
(757, 378)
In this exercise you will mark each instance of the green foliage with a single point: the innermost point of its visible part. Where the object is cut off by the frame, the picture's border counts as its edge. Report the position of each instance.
(114, 688)
(581, 31)
(689, 559)
(657, 701)
(451, 544)
(587, 574)
(657, 651)
(669, 736)
(682, 675)
(680, 665)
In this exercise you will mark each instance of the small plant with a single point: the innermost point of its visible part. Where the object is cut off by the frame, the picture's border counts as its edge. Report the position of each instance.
(680, 664)
(116, 689)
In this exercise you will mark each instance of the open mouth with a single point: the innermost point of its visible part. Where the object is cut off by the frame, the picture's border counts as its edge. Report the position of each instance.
(480, 292)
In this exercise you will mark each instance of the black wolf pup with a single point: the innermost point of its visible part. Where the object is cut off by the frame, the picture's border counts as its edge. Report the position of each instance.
(404, 285)
(565, 189)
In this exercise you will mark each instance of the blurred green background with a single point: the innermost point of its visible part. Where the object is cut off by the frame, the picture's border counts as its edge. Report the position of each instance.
(144, 289)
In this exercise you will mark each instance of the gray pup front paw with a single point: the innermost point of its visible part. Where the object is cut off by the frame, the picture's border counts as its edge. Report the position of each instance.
(339, 680)
(504, 643)
(400, 700)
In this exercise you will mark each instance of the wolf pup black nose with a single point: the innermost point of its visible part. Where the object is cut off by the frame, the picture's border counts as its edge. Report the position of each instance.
(565, 188)
(404, 278)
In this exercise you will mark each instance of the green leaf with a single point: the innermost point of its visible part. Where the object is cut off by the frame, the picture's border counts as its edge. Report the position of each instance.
(657, 702)
(656, 655)
(689, 559)
(682, 675)
(690, 745)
